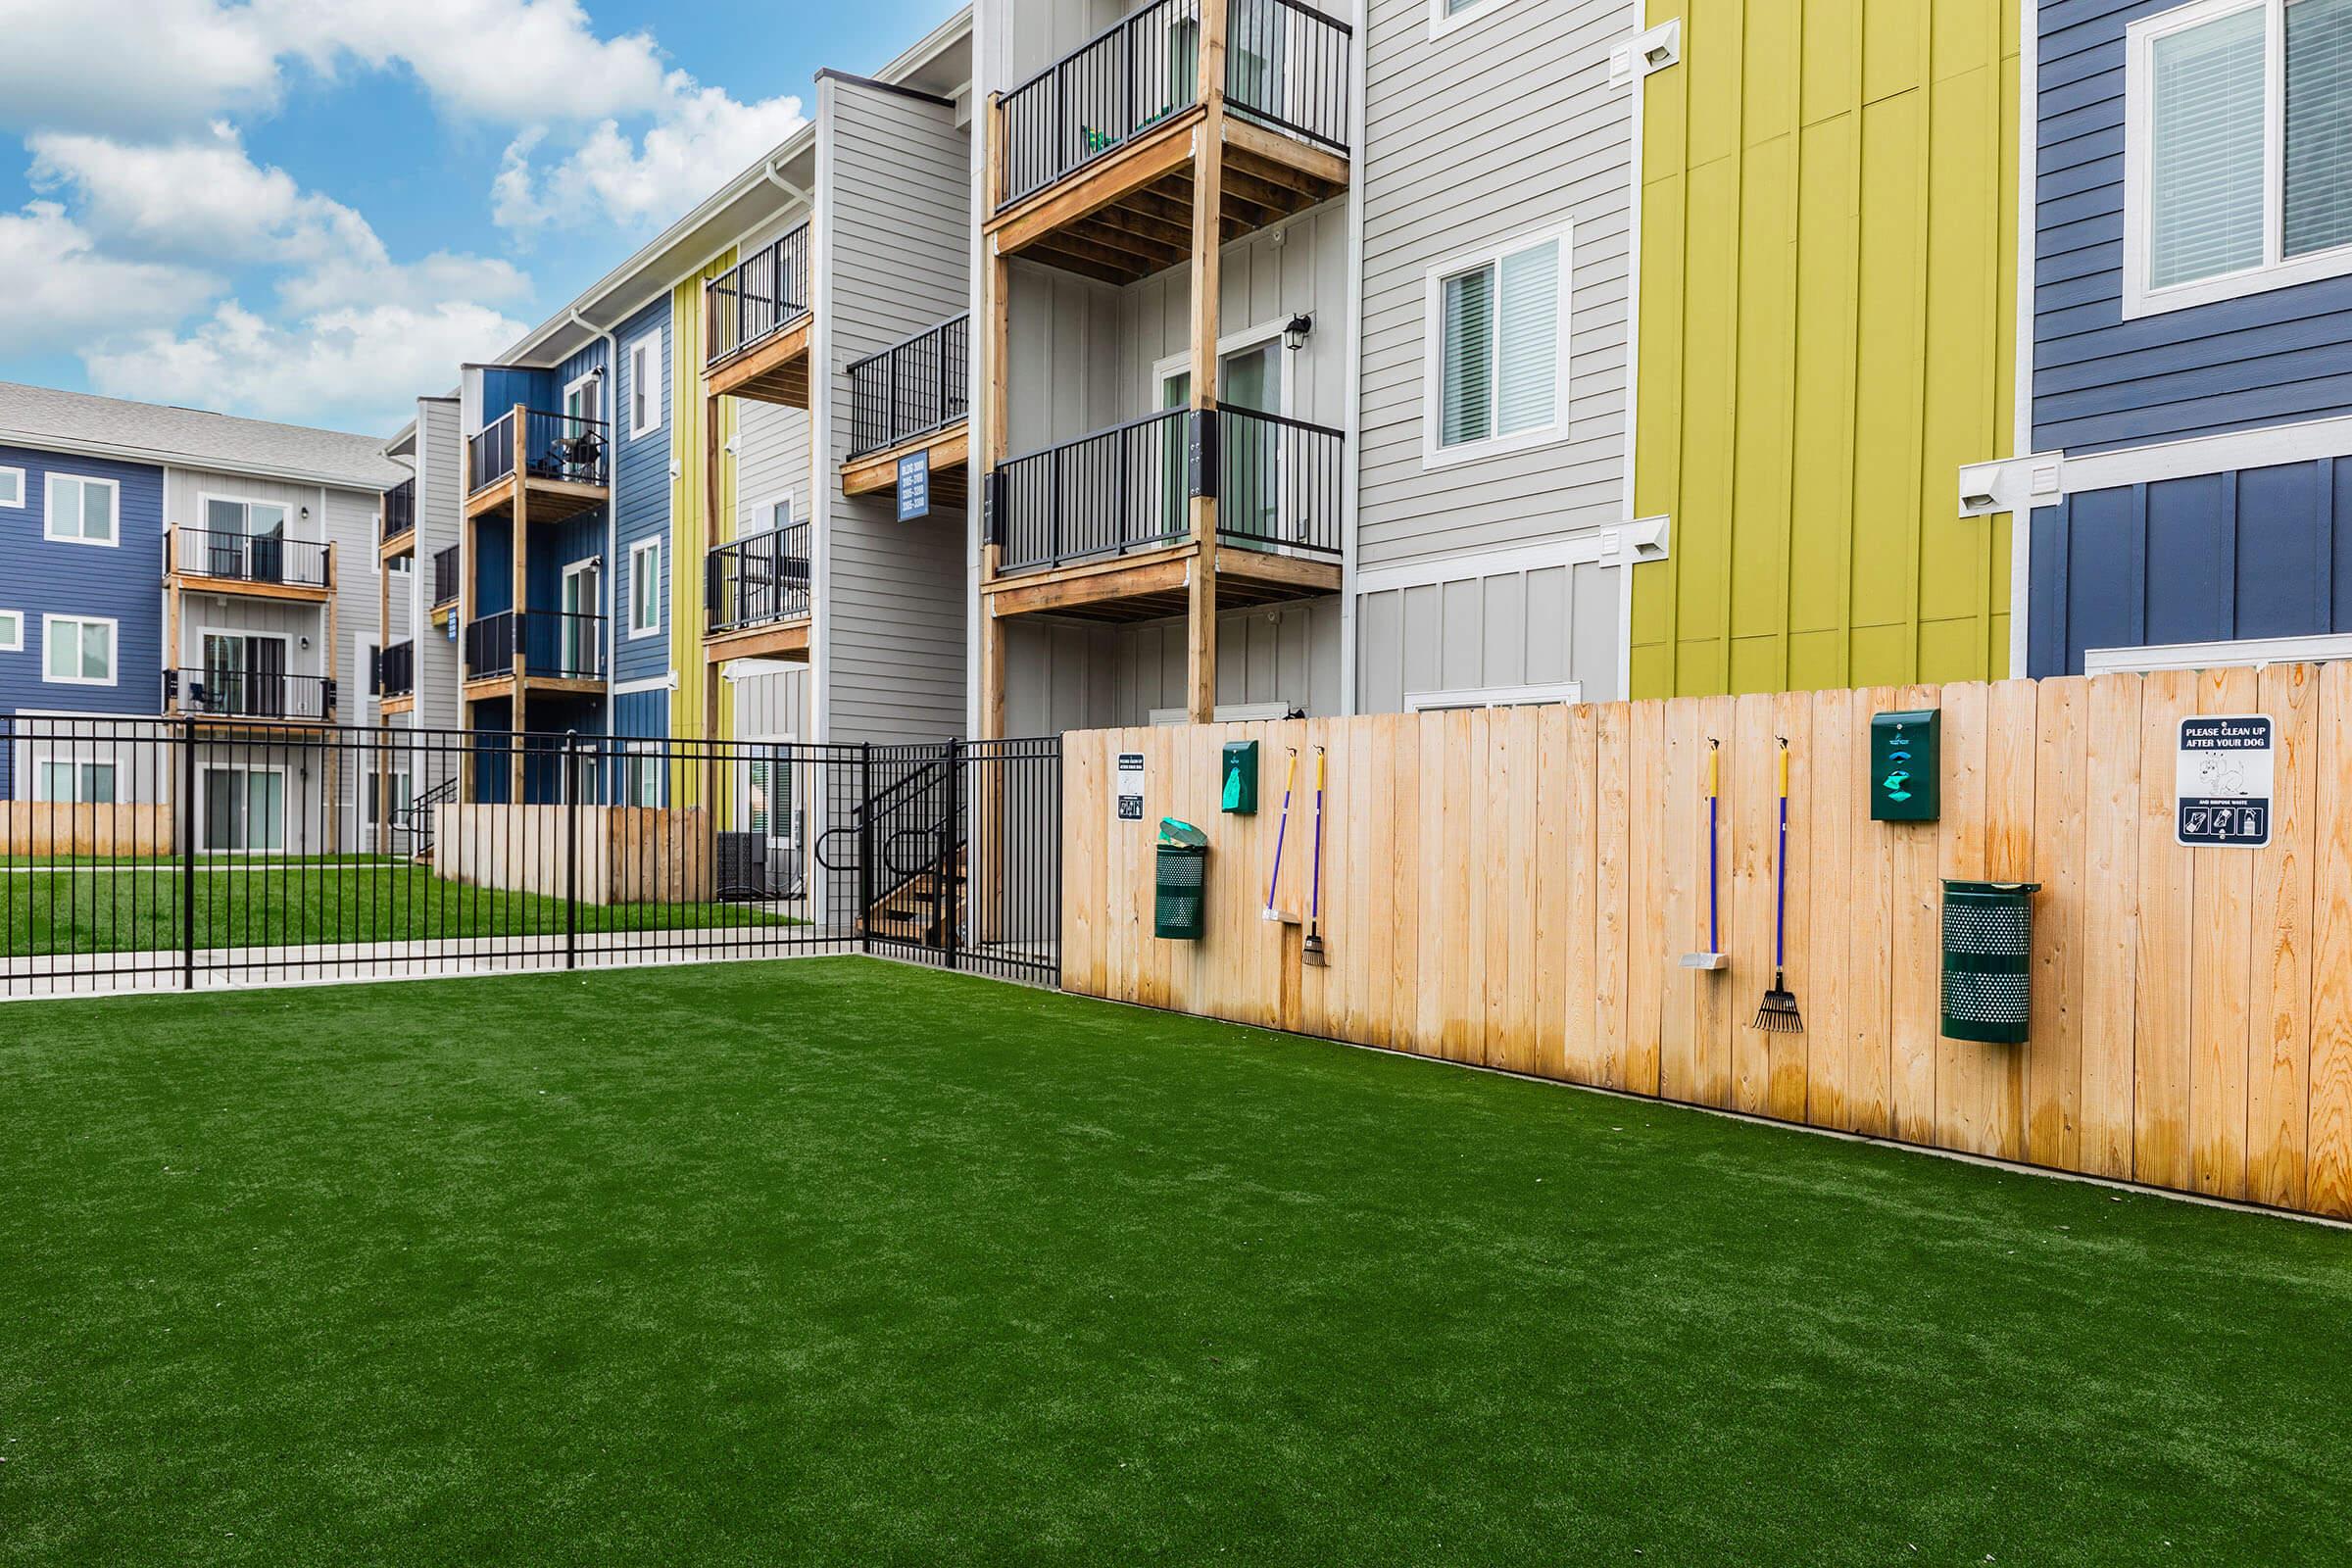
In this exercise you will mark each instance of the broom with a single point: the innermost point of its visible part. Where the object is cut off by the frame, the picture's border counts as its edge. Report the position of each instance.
(1778, 1015)
(1311, 954)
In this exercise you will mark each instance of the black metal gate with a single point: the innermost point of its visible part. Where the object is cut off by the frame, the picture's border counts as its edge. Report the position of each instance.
(956, 850)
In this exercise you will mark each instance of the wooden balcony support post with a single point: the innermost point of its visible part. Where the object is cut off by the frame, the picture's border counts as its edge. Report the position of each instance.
(996, 309)
(520, 552)
(469, 556)
(1208, 205)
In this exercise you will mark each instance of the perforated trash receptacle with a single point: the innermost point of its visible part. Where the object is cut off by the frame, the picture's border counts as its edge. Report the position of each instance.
(1179, 885)
(1988, 961)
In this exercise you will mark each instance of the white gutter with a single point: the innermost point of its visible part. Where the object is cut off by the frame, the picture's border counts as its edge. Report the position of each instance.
(609, 576)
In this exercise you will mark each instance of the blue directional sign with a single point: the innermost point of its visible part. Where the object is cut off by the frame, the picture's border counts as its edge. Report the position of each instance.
(915, 487)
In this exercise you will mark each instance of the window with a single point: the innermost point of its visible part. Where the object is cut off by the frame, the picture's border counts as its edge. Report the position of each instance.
(1495, 697)
(2238, 150)
(72, 783)
(584, 400)
(244, 808)
(641, 774)
(12, 631)
(776, 515)
(1446, 15)
(83, 510)
(80, 650)
(257, 519)
(645, 588)
(1496, 354)
(12, 487)
(645, 385)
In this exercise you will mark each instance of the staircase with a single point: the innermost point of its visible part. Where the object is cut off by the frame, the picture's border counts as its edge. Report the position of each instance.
(918, 881)
(922, 907)
(417, 819)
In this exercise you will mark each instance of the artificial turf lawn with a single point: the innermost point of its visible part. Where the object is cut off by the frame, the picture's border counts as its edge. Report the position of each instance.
(141, 911)
(837, 1261)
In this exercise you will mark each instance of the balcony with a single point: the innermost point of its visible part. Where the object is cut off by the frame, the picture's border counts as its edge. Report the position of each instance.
(254, 565)
(400, 517)
(447, 565)
(1093, 158)
(396, 675)
(914, 396)
(555, 650)
(1099, 528)
(755, 324)
(540, 466)
(246, 696)
(755, 596)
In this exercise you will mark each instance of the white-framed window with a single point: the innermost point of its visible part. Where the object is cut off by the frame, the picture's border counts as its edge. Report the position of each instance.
(1445, 702)
(244, 808)
(1444, 16)
(584, 398)
(645, 384)
(2238, 150)
(641, 774)
(12, 631)
(78, 650)
(255, 520)
(645, 588)
(770, 515)
(83, 510)
(64, 781)
(1495, 350)
(12, 488)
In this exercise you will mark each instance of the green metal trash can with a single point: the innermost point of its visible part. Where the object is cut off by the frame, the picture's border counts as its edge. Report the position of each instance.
(1180, 878)
(1988, 961)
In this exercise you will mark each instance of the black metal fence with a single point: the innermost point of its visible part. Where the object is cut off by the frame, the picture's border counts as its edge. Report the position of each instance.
(173, 854)
(400, 510)
(554, 446)
(446, 576)
(767, 290)
(1286, 66)
(263, 558)
(1278, 483)
(911, 388)
(757, 581)
(228, 692)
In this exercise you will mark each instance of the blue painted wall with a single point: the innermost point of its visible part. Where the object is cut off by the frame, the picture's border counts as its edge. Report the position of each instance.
(2102, 382)
(2258, 553)
(48, 577)
(641, 506)
(641, 716)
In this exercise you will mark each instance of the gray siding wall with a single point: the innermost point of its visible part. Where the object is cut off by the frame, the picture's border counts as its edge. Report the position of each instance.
(771, 705)
(1064, 675)
(1506, 127)
(438, 527)
(772, 450)
(894, 241)
(1519, 629)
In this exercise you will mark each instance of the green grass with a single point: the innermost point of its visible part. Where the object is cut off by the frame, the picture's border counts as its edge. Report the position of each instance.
(834, 1261)
(132, 910)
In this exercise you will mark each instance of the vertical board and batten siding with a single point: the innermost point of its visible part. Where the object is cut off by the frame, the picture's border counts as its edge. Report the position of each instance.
(692, 525)
(2101, 382)
(1827, 332)
(896, 252)
(641, 493)
(1460, 157)
(1513, 889)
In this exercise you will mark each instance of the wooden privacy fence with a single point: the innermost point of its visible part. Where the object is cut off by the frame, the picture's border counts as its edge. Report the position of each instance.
(1515, 887)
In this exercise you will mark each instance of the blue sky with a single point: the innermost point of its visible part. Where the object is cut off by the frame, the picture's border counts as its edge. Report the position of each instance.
(311, 210)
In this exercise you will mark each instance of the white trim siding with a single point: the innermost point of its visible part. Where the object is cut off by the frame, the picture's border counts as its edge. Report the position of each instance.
(12, 631)
(11, 489)
(113, 650)
(645, 564)
(51, 510)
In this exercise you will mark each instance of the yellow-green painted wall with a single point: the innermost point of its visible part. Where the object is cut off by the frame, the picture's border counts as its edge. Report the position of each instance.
(1827, 332)
(692, 530)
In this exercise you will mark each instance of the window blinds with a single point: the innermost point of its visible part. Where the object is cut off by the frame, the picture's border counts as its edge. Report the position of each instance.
(2206, 171)
(2319, 126)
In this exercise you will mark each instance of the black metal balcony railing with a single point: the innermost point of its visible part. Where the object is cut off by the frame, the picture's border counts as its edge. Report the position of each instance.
(1286, 65)
(1128, 488)
(912, 388)
(396, 669)
(754, 581)
(553, 643)
(445, 577)
(249, 694)
(554, 446)
(253, 558)
(763, 293)
(400, 510)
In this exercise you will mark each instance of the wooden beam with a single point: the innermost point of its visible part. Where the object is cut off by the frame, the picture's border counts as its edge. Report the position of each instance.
(520, 550)
(1209, 206)
(1047, 255)
(769, 370)
(1287, 152)
(1041, 593)
(1244, 565)
(786, 639)
(872, 474)
(1112, 177)
(469, 556)
(996, 305)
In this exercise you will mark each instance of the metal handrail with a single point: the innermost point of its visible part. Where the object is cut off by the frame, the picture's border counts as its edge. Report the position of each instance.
(253, 558)
(400, 510)
(917, 385)
(554, 446)
(757, 579)
(755, 298)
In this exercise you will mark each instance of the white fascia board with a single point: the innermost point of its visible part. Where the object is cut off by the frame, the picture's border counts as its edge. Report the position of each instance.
(2044, 478)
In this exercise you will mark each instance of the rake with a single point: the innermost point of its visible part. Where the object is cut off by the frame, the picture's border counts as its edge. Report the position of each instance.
(1778, 1014)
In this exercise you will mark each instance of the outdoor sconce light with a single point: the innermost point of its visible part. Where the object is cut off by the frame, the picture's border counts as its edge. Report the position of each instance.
(1295, 331)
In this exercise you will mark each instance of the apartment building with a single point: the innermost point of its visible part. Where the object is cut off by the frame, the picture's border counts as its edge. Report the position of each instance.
(172, 563)
(2189, 329)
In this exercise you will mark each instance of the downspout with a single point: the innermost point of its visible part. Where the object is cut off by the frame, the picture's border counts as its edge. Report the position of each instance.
(611, 573)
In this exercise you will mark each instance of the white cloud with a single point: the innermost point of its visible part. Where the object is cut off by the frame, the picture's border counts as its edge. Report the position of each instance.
(63, 292)
(131, 66)
(699, 137)
(199, 196)
(351, 368)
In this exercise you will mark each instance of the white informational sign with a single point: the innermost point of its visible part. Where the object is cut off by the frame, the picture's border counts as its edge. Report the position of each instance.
(1129, 798)
(2221, 779)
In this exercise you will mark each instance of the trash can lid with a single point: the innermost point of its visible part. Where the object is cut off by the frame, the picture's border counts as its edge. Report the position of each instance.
(1954, 885)
(1174, 831)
